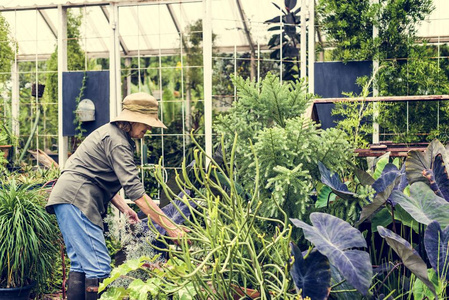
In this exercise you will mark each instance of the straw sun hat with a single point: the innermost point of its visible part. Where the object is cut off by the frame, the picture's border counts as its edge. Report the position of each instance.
(140, 108)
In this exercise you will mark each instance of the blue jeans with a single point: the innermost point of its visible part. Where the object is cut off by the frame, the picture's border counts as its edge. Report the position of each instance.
(84, 241)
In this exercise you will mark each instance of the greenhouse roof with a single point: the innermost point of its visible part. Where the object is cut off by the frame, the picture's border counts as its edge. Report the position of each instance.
(152, 27)
(146, 27)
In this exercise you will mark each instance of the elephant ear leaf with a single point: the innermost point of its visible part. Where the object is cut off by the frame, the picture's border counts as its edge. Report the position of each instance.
(334, 182)
(364, 177)
(423, 205)
(312, 276)
(338, 240)
(436, 243)
(429, 167)
(388, 176)
(324, 197)
(409, 256)
(377, 203)
(381, 162)
(440, 182)
(384, 186)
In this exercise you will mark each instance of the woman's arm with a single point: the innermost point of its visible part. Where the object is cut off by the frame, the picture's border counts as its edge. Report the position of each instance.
(150, 208)
(121, 205)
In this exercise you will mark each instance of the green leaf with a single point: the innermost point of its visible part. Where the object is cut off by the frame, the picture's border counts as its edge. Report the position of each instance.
(380, 165)
(324, 196)
(423, 205)
(139, 289)
(421, 291)
(382, 218)
(125, 268)
(409, 256)
(405, 218)
(187, 292)
(114, 293)
(364, 177)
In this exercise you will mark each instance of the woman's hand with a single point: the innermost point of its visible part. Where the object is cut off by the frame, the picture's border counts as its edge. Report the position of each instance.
(178, 234)
(132, 216)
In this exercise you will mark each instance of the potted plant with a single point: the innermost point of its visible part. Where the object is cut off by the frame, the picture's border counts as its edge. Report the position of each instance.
(29, 240)
(227, 254)
(4, 143)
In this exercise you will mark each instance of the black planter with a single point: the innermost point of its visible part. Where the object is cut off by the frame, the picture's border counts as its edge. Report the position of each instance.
(40, 90)
(20, 293)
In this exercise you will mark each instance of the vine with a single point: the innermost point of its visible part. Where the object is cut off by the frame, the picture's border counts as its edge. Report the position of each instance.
(79, 129)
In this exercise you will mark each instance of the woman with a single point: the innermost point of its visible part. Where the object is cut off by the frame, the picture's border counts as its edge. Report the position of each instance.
(92, 177)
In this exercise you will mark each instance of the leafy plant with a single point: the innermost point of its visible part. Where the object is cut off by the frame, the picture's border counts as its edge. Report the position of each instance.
(29, 236)
(311, 274)
(286, 39)
(80, 130)
(409, 256)
(337, 240)
(230, 251)
(288, 146)
(349, 26)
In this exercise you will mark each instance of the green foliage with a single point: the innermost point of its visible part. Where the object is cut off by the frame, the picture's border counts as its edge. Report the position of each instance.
(29, 236)
(161, 281)
(75, 62)
(421, 291)
(421, 74)
(79, 128)
(354, 121)
(229, 250)
(349, 26)
(6, 50)
(288, 146)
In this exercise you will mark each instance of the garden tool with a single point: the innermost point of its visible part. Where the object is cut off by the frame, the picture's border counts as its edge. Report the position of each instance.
(76, 287)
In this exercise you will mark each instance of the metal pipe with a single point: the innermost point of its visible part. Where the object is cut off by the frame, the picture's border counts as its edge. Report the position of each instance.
(207, 72)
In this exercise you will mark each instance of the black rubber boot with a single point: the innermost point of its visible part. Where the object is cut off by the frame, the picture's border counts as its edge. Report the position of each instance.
(76, 288)
(92, 288)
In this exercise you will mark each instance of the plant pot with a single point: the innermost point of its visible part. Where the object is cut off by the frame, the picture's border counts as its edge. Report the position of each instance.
(5, 150)
(19, 293)
(239, 292)
(40, 90)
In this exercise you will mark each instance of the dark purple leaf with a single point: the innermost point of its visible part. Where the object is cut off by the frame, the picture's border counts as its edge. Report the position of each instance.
(312, 276)
(336, 239)
(409, 256)
(441, 185)
(377, 203)
(276, 20)
(290, 4)
(388, 176)
(436, 242)
(429, 167)
(334, 182)
(175, 211)
(404, 182)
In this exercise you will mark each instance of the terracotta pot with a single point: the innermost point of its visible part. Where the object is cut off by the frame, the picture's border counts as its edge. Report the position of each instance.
(241, 291)
(5, 150)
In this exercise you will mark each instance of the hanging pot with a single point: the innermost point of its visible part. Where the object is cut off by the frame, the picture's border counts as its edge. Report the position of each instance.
(40, 90)
(19, 293)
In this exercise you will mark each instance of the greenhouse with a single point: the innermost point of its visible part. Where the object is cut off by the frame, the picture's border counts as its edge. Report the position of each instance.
(224, 149)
